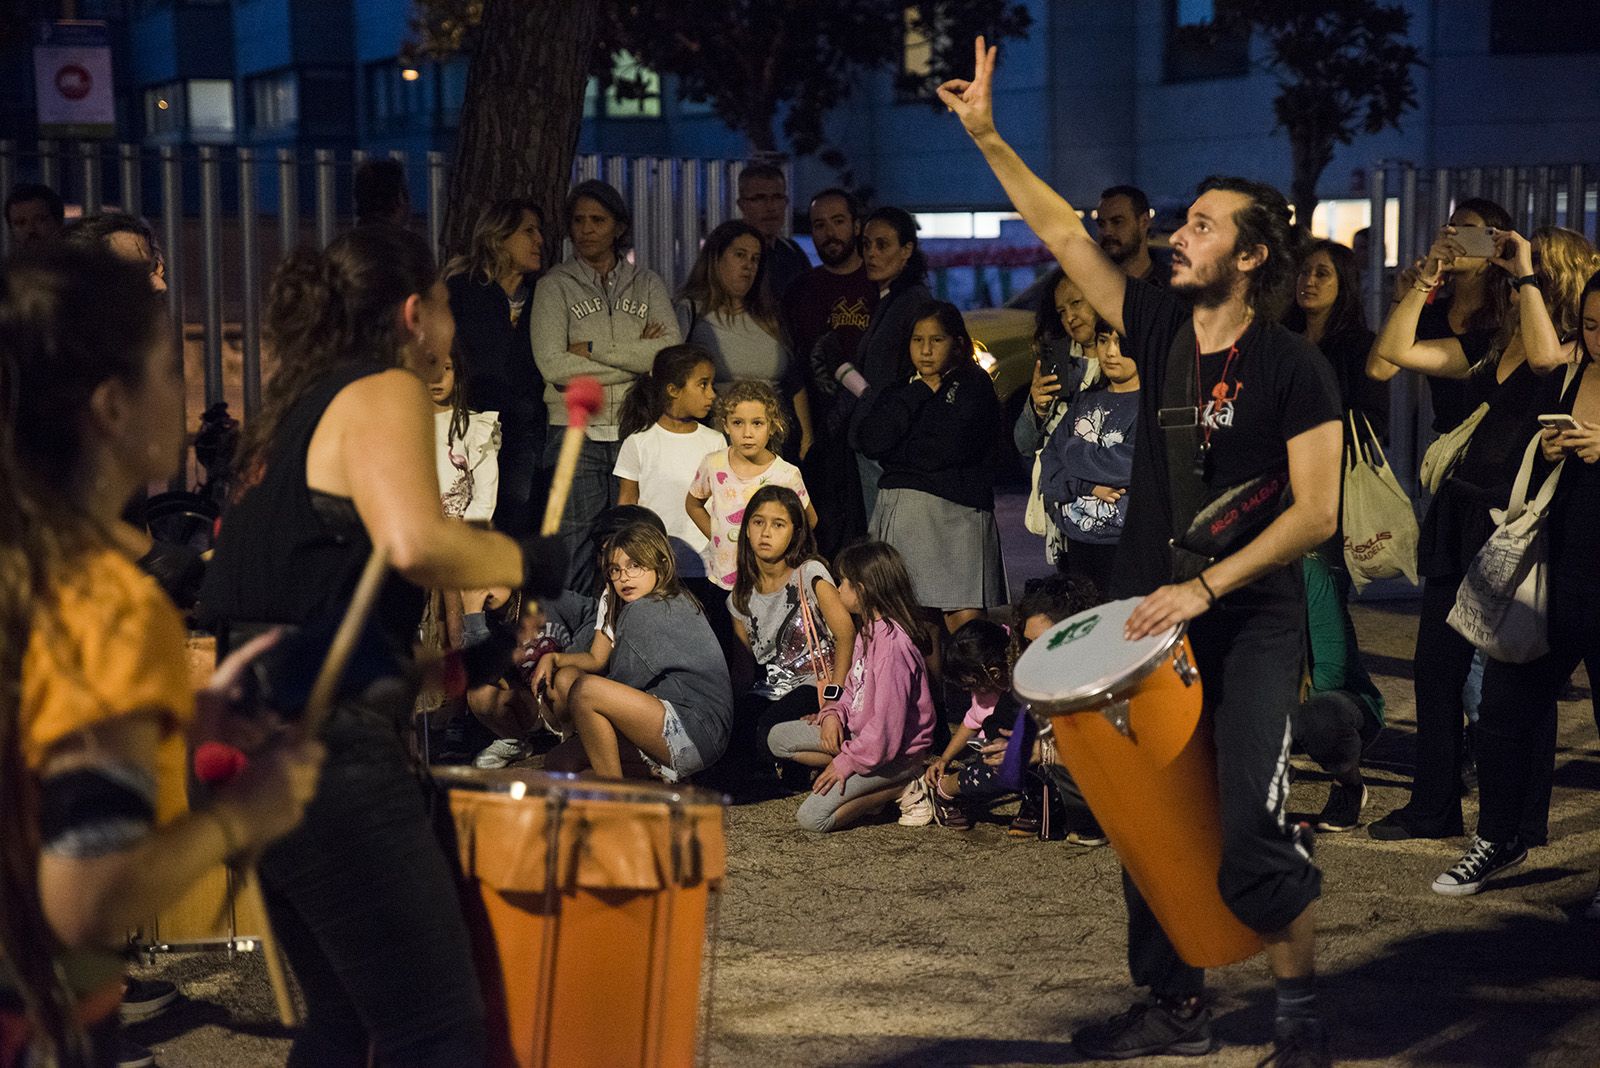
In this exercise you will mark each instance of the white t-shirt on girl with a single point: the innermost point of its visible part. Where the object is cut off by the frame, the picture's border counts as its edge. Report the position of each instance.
(664, 464)
(469, 467)
(726, 494)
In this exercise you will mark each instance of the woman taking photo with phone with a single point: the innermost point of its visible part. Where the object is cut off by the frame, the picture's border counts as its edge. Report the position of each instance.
(1548, 273)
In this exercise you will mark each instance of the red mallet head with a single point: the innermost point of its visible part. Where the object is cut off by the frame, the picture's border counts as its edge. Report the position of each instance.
(218, 762)
(584, 396)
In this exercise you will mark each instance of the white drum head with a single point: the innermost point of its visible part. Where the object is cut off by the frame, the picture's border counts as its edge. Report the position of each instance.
(1083, 660)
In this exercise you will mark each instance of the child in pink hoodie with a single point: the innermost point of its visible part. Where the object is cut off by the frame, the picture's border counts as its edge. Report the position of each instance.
(870, 741)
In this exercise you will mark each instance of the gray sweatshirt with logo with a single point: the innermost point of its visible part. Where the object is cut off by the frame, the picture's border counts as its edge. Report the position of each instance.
(574, 304)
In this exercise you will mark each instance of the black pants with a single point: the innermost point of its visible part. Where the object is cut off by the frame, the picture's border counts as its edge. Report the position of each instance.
(1333, 729)
(1439, 669)
(1092, 561)
(1249, 653)
(364, 904)
(522, 480)
(1516, 735)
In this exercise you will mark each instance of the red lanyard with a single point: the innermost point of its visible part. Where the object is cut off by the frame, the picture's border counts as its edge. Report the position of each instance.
(1219, 392)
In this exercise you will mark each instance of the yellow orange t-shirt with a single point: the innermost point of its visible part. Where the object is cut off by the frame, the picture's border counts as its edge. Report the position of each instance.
(108, 644)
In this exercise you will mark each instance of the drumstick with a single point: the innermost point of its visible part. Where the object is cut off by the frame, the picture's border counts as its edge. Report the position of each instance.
(584, 397)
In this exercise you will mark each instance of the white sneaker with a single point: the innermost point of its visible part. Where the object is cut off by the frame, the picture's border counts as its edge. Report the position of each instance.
(500, 753)
(916, 807)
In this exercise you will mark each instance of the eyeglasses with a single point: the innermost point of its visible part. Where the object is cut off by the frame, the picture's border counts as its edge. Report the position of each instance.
(764, 198)
(625, 571)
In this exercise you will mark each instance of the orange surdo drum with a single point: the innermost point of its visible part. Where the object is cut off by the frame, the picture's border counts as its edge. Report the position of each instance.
(1129, 724)
(589, 904)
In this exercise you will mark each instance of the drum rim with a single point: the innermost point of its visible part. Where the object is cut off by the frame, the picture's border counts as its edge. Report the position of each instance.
(1050, 706)
(539, 783)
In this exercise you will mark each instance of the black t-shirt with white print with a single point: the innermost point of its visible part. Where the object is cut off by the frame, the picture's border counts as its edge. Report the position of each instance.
(1277, 386)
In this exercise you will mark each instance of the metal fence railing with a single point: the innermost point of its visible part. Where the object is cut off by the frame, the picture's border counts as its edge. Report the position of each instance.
(224, 215)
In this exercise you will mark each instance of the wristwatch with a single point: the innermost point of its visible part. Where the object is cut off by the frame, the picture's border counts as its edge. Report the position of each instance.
(832, 692)
(1525, 280)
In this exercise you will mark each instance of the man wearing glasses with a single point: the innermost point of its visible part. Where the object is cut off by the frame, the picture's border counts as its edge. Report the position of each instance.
(763, 203)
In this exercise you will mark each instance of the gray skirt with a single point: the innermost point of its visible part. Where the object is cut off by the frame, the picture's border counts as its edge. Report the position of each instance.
(952, 552)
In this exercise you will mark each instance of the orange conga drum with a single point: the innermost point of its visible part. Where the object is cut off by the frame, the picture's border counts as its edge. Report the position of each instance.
(1130, 726)
(589, 904)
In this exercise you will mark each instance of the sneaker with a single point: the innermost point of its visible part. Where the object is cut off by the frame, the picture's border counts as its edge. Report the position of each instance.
(132, 1055)
(946, 812)
(1298, 1044)
(500, 753)
(916, 809)
(1087, 837)
(1147, 1029)
(1030, 816)
(143, 999)
(1402, 824)
(1343, 810)
(1482, 861)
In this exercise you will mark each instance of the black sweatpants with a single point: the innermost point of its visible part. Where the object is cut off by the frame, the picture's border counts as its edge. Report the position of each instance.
(1516, 735)
(1249, 650)
(363, 901)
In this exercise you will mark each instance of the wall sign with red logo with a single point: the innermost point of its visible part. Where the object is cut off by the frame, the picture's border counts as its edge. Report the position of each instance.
(72, 80)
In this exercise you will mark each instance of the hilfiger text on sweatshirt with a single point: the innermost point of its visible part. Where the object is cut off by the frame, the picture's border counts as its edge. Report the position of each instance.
(585, 308)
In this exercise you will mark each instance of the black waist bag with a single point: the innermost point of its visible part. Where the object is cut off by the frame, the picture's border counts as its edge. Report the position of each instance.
(1207, 527)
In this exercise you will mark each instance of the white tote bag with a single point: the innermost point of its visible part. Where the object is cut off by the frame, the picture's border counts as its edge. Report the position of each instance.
(1447, 449)
(1380, 526)
(1502, 604)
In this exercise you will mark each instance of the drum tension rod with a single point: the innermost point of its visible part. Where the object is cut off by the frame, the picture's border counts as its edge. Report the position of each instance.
(1116, 714)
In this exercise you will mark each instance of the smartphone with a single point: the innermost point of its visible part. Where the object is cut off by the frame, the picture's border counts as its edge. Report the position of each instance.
(1475, 240)
(1558, 421)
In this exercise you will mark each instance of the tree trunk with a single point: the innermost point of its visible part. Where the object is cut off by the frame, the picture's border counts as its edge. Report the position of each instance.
(522, 112)
(1311, 156)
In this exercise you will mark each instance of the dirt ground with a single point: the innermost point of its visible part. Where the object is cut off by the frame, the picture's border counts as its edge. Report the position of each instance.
(901, 946)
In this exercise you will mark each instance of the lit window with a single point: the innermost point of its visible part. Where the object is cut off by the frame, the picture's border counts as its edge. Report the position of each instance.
(211, 109)
(635, 91)
(1194, 12)
(917, 56)
(275, 101)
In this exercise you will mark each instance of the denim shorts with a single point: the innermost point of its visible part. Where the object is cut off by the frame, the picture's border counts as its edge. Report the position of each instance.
(685, 757)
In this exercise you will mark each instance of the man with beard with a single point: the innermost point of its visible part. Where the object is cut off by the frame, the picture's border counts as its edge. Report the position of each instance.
(1231, 399)
(826, 310)
(1123, 219)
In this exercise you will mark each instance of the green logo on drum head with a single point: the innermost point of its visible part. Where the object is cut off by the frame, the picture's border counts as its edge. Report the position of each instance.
(1078, 630)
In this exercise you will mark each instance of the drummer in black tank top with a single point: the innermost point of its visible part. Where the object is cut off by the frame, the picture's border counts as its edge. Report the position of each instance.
(362, 897)
(1264, 402)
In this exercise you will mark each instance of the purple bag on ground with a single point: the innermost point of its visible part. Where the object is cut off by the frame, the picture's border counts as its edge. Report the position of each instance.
(1013, 771)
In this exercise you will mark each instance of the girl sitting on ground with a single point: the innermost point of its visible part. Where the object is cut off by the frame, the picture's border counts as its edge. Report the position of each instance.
(978, 661)
(586, 648)
(665, 701)
(868, 742)
(749, 414)
(777, 561)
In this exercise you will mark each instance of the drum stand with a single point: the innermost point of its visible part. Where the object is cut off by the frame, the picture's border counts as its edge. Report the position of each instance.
(147, 942)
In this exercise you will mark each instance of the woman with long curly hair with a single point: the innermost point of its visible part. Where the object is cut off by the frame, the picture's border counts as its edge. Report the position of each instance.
(340, 460)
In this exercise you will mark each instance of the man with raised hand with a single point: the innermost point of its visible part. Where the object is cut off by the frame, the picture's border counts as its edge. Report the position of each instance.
(1232, 401)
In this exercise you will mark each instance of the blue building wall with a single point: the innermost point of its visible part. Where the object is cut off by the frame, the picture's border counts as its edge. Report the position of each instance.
(1086, 99)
